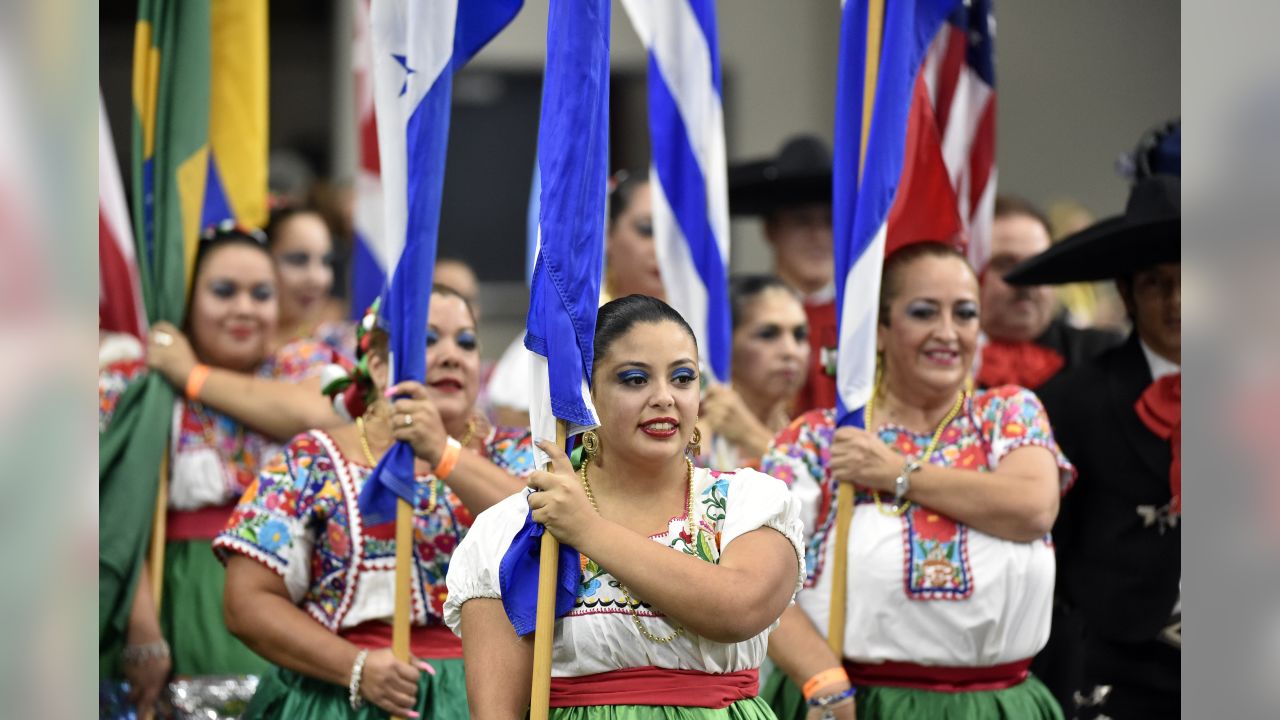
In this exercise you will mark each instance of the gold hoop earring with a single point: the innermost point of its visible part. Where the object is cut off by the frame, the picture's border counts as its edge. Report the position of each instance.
(590, 443)
(695, 442)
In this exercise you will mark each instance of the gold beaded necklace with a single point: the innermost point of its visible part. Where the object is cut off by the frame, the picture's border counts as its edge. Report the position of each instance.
(626, 594)
(899, 510)
(373, 462)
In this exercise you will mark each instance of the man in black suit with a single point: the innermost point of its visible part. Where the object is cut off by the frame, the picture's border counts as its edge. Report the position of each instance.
(1118, 419)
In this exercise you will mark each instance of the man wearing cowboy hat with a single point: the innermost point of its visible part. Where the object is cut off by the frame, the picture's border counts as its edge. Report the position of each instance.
(792, 194)
(1118, 417)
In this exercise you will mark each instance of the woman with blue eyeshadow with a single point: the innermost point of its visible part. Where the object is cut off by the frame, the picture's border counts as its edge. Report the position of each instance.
(770, 354)
(683, 571)
(240, 396)
(309, 582)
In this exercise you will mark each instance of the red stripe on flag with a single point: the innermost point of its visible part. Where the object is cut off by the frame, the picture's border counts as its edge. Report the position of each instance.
(949, 72)
(117, 308)
(369, 159)
(982, 155)
(924, 207)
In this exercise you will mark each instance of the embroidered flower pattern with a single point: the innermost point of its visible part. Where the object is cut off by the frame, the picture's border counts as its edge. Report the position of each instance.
(601, 592)
(936, 564)
(303, 490)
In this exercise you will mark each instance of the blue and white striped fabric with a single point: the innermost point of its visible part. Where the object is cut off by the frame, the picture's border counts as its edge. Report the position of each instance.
(688, 174)
(417, 46)
(860, 212)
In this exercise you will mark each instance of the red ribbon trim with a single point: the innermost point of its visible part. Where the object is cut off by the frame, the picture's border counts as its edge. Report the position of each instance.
(433, 641)
(202, 524)
(655, 686)
(938, 679)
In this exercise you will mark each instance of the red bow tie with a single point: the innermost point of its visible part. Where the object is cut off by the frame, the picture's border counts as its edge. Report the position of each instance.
(1017, 363)
(1160, 408)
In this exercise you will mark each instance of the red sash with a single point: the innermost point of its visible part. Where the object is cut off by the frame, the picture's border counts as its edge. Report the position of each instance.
(938, 679)
(655, 686)
(433, 641)
(202, 524)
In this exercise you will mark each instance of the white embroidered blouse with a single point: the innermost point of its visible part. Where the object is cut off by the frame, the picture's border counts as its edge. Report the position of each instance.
(599, 634)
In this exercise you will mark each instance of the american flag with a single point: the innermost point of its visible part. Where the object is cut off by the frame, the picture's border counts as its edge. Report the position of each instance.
(960, 74)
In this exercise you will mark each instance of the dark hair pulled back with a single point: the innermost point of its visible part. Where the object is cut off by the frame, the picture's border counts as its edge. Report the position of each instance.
(616, 318)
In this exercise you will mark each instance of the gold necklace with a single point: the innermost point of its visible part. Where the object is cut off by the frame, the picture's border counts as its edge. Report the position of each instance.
(626, 594)
(373, 462)
(899, 510)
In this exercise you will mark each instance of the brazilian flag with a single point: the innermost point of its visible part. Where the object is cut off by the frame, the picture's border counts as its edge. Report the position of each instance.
(199, 157)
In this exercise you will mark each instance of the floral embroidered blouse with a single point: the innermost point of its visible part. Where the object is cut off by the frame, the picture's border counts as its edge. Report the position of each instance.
(214, 457)
(599, 634)
(301, 519)
(924, 588)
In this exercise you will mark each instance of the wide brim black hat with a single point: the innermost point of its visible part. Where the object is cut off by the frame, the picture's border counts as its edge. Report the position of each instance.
(1149, 233)
(800, 174)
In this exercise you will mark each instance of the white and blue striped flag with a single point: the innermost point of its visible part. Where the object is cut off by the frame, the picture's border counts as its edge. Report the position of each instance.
(687, 178)
(416, 47)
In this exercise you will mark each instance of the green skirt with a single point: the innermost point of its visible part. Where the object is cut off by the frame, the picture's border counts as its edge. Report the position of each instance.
(191, 615)
(1028, 700)
(750, 709)
(287, 694)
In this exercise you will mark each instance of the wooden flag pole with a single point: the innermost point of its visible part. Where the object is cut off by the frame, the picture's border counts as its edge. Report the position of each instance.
(155, 553)
(845, 494)
(545, 629)
(404, 576)
(159, 527)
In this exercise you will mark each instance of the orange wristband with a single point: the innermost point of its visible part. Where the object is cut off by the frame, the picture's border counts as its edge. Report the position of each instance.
(826, 677)
(448, 458)
(195, 381)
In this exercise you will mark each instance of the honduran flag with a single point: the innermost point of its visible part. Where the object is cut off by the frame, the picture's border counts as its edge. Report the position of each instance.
(905, 193)
(687, 176)
(416, 47)
(573, 161)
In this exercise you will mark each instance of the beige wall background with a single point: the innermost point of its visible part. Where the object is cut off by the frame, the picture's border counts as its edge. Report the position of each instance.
(1078, 83)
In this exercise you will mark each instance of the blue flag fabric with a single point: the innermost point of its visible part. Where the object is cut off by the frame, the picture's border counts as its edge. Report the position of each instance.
(573, 152)
(860, 211)
(416, 50)
(519, 571)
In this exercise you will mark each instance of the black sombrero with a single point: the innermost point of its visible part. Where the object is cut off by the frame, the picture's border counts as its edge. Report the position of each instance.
(800, 174)
(1148, 233)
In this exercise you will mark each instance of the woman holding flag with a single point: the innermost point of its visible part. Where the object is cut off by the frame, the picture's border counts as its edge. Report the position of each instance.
(241, 401)
(950, 568)
(309, 580)
(684, 571)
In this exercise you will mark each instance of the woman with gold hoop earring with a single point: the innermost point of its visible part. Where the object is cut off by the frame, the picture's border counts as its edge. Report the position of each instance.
(950, 568)
(684, 571)
(309, 584)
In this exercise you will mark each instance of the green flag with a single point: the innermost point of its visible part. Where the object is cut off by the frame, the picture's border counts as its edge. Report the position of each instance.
(171, 90)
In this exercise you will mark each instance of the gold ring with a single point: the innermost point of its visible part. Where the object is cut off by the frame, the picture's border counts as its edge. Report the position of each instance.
(163, 339)
(408, 419)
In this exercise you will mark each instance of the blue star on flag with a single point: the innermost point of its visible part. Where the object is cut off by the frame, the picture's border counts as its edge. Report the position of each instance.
(404, 63)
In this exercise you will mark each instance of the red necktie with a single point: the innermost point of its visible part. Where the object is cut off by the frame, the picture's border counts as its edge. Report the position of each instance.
(1160, 408)
(1017, 363)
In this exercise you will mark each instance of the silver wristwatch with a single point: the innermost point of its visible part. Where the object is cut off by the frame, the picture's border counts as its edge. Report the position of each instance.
(902, 484)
